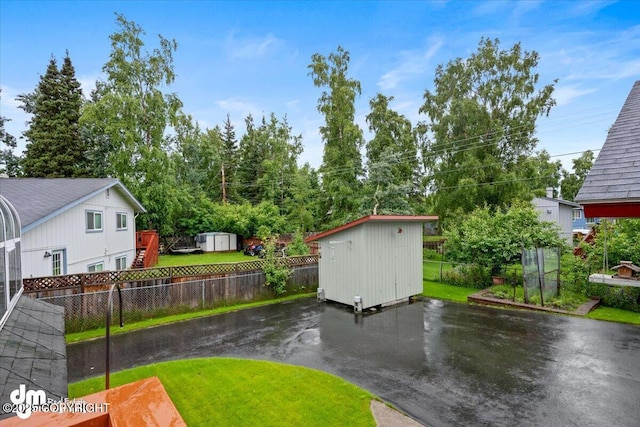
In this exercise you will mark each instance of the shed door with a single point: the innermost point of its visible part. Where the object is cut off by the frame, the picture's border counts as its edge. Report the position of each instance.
(222, 242)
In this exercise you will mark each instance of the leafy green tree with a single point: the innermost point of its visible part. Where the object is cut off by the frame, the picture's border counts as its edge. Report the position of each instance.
(495, 239)
(382, 193)
(302, 204)
(542, 173)
(341, 161)
(54, 147)
(9, 162)
(572, 182)
(482, 115)
(131, 115)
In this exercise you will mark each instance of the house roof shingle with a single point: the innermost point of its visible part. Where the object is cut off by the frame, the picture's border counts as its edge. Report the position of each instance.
(615, 175)
(39, 199)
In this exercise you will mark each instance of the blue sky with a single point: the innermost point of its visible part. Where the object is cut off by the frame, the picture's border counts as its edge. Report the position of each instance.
(251, 57)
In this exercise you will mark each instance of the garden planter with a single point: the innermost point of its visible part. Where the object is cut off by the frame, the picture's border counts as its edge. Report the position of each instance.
(497, 280)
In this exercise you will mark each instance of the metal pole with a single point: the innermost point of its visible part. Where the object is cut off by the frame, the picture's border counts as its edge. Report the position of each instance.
(108, 340)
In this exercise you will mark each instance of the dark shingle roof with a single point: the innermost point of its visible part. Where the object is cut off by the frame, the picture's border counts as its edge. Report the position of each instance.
(38, 199)
(615, 175)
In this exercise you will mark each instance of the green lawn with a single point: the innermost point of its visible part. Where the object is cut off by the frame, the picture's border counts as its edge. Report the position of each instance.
(446, 292)
(206, 258)
(233, 392)
(615, 315)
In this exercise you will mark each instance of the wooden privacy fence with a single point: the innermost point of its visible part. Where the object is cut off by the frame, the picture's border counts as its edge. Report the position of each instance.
(85, 311)
(87, 282)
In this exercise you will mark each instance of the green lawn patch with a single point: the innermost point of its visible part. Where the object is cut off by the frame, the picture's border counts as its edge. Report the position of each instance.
(206, 258)
(100, 332)
(233, 392)
(446, 292)
(615, 315)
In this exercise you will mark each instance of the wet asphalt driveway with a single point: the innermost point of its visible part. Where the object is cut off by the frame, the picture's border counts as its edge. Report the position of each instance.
(445, 364)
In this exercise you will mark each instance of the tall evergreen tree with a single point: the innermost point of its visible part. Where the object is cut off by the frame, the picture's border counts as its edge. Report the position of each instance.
(341, 161)
(267, 161)
(229, 161)
(54, 147)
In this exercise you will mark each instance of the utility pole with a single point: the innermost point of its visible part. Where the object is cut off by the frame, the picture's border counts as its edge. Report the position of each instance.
(224, 187)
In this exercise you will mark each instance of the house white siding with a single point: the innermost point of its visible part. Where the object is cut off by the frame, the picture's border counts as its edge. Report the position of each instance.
(379, 261)
(67, 235)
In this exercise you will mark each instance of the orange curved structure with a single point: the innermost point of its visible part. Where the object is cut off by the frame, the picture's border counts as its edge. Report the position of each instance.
(139, 404)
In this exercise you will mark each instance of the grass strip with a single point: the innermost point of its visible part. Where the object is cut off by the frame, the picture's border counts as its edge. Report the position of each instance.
(234, 392)
(615, 315)
(128, 327)
(446, 292)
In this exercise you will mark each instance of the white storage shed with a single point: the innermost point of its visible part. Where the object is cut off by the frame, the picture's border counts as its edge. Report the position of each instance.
(373, 261)
(217, 242)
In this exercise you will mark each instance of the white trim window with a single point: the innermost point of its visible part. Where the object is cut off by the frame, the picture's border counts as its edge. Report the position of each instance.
(57, 263)
(121, 262)
(121, 220)
(94, 221)
(98, 266)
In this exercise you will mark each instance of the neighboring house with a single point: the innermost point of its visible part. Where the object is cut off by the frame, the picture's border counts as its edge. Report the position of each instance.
(581, 224)
(73, 225)
(612, 186)
(558, 211)
(373, 261)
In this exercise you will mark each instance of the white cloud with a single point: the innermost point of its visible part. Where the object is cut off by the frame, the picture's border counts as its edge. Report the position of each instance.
(566, 94)
(251, 47)
(412, 63)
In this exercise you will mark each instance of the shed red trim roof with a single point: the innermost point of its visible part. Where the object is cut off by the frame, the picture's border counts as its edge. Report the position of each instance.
(374, 218)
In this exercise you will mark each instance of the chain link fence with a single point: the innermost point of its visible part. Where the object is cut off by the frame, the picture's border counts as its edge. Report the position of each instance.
(87, 311)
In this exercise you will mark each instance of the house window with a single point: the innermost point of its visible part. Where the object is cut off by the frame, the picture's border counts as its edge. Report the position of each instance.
(94, 221)
(92, 268)
(577, 214)
(121, 221)
(121, 263)
(57, 263)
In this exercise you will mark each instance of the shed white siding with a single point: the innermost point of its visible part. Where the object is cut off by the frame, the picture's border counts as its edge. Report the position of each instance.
(216, 242)
(81, 248)
(378, 261)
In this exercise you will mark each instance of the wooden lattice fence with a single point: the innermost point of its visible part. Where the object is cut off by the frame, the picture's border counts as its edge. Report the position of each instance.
(88, 282)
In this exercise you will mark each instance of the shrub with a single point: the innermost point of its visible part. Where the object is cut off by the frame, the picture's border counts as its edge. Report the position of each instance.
(430, 254)
(469, 276)
(276, 273)
(495, 239)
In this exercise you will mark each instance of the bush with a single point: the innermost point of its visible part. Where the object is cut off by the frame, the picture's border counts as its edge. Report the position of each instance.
(431, 254)
(495, 239)
(469, 276)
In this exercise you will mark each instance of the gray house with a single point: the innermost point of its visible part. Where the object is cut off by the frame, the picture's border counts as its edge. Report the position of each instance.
(559, 212)
(373, 261)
